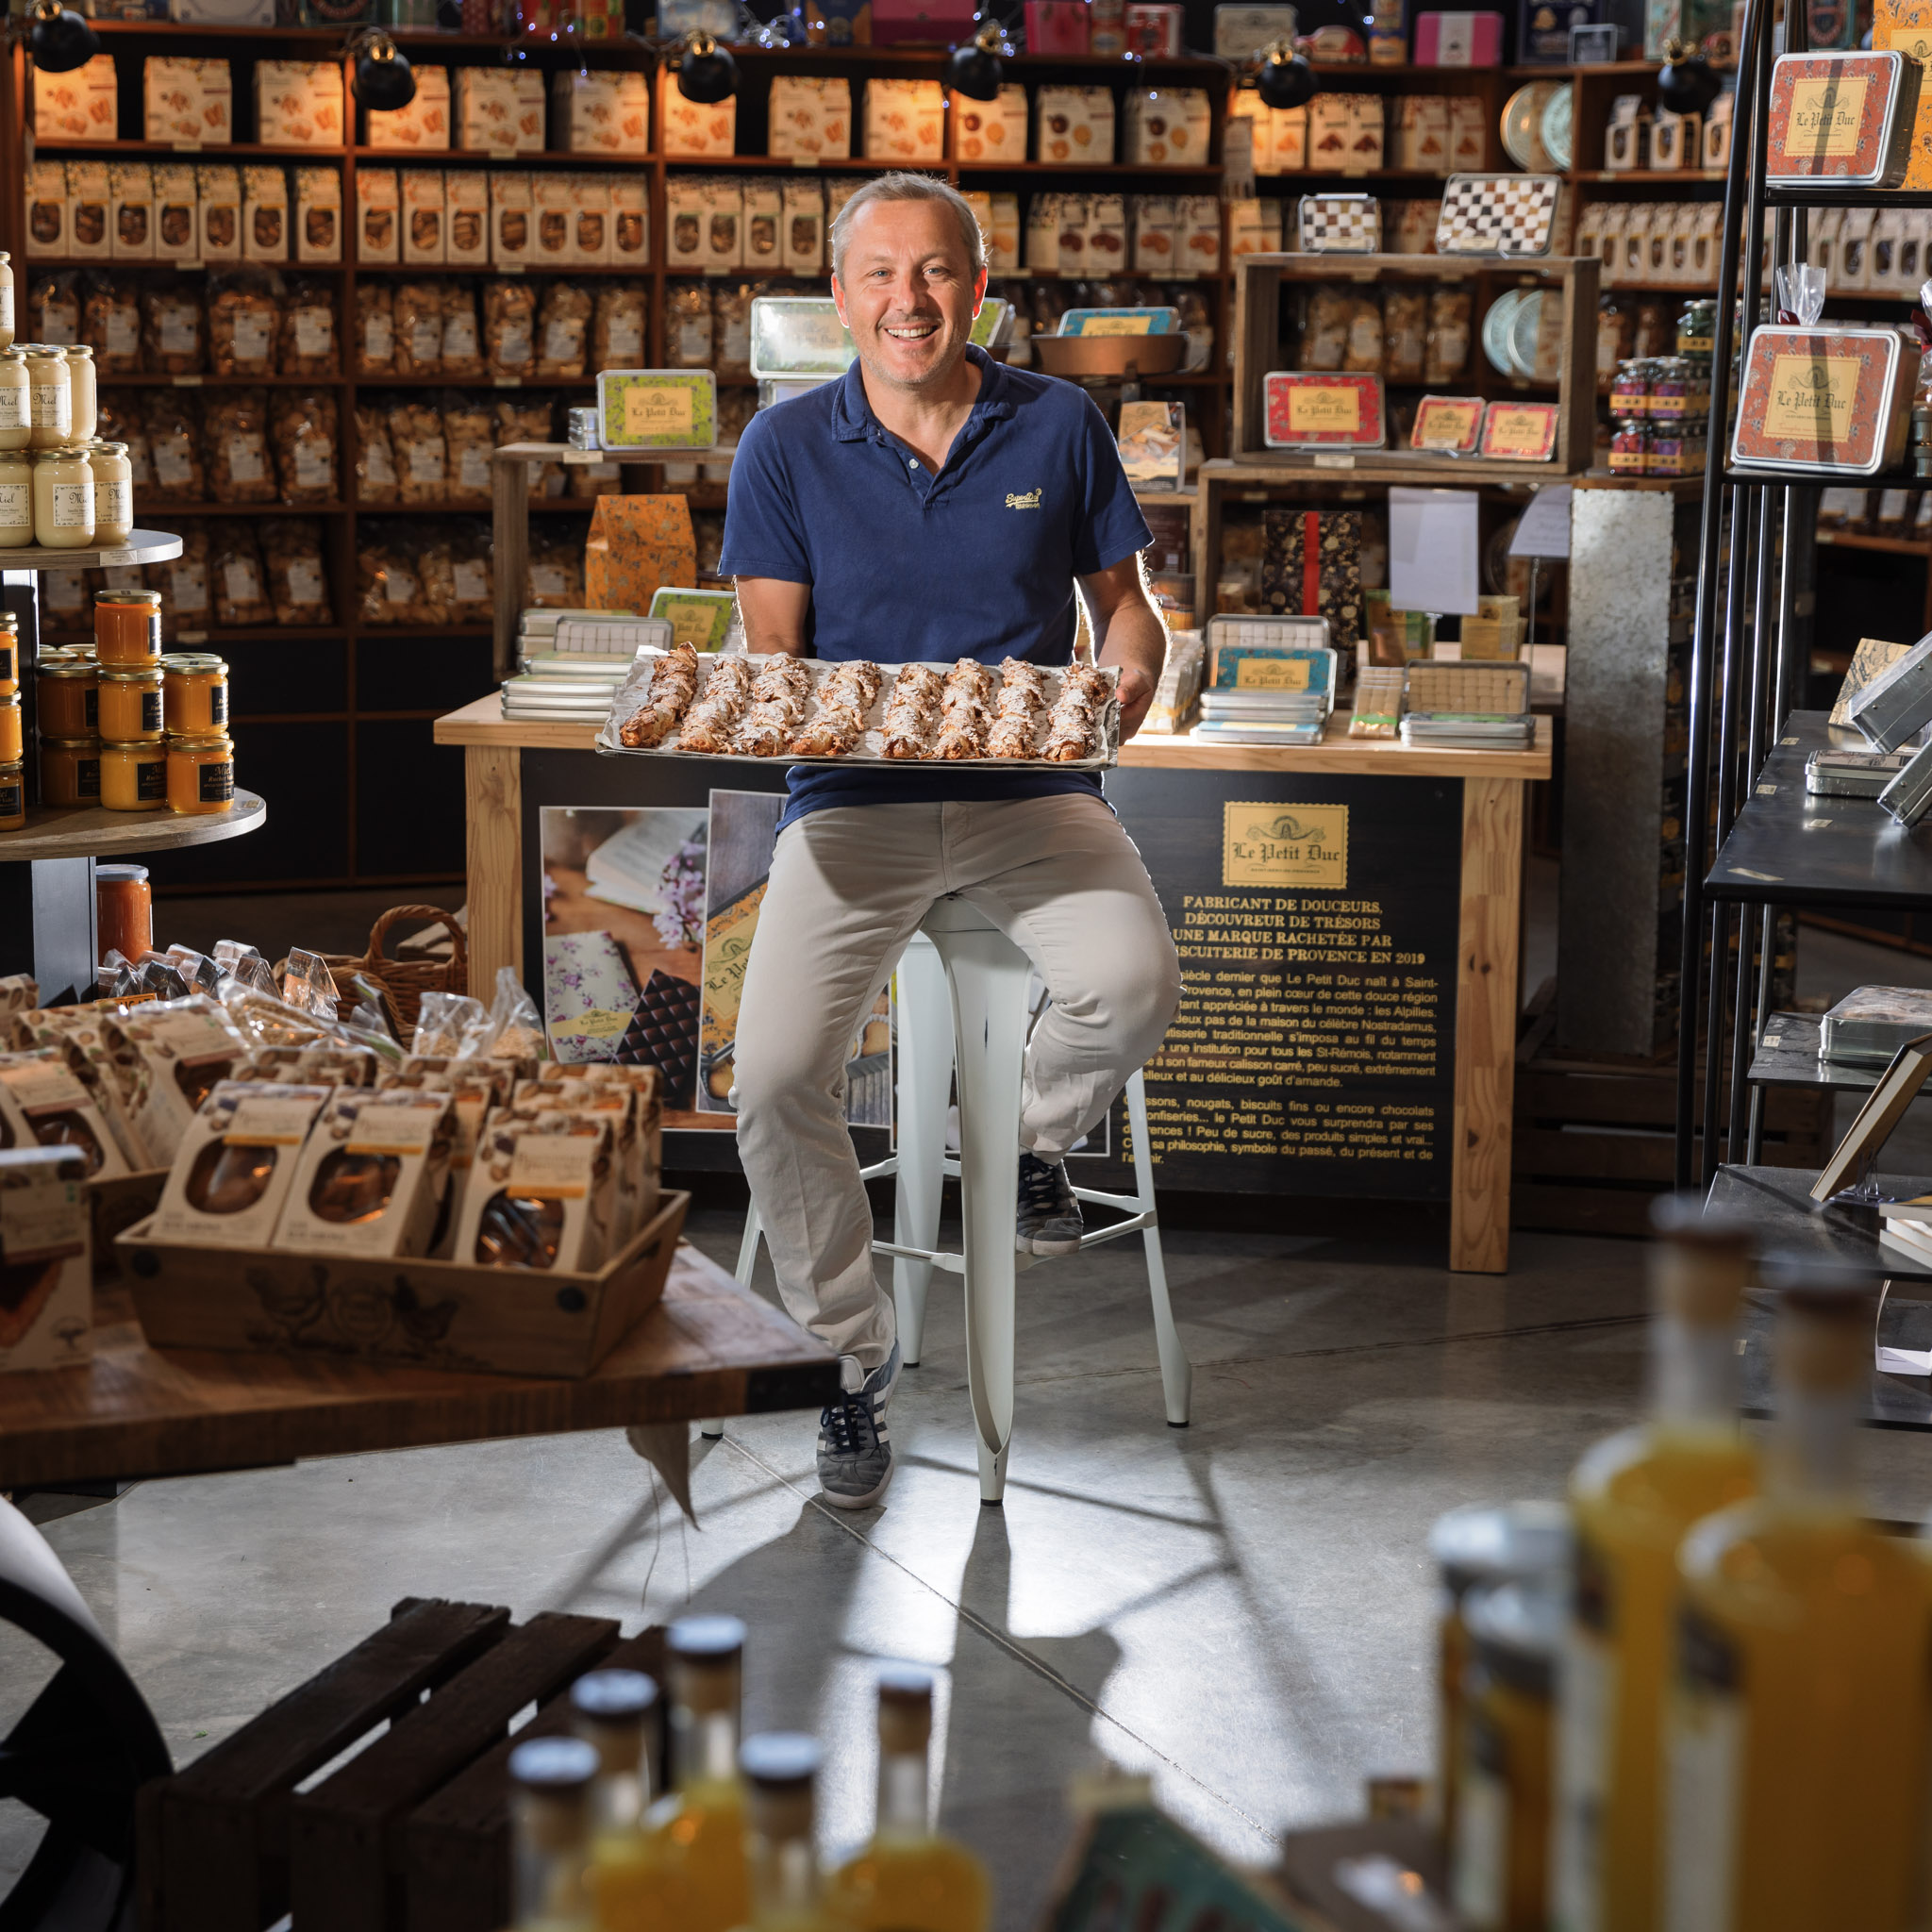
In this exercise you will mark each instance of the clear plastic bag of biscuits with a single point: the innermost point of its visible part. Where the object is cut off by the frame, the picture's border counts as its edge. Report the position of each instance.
(388, 590)
(563, 331)
(308, 344)
(462, 334)
(529, 420)
(621, 329)
(1448, 346)
(234, 446)
(415, 435)
(121, 421)
(243, 318)
(376, 332)
(509, 327)
(418, 318)
(110, 323)
(556, 579)
(472, 572)
(376, 462)
(1405, 333)
(687, 325)
(173, 332)
(186, 605)
(435, 576)
(296, 558)
(731, 329)
(469, 435)
(1364, 350)
(237, 580)
(172, 419)
(53, 309)
(303, 430)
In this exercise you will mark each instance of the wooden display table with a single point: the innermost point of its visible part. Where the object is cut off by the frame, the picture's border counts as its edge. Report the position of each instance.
(709, 1348)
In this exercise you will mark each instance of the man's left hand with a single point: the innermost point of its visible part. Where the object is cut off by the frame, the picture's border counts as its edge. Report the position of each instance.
(1136, 689)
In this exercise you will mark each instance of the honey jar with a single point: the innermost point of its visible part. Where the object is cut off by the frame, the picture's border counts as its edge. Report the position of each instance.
(67, 697)
(70, 771)
(114, 492)
(80, 382)
(9, 648)
(130, 704)
(123, 911)
(13, 798)
(63, 499)
(201, 773)
(6, 300)
(50, 397)
(127, 628)
(194, 687)
(134, 778)
(16, 404)
(12, 747)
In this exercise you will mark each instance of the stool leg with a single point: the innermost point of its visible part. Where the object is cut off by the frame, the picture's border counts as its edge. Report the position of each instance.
(989, 1016)
(925, 1070)
(713, 1428)
(1176, 1374)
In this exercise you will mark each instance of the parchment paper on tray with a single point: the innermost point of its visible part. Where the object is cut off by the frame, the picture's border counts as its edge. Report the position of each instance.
(685, 704)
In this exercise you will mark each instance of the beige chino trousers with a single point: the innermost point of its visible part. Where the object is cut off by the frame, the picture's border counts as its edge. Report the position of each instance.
(849, 887)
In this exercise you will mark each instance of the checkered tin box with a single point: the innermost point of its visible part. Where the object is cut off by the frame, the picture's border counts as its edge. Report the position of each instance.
(1497, 214)
(1341, 224)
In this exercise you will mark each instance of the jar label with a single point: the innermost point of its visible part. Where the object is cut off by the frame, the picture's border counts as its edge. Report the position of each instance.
(1586, 1712)
(91, 708)
(11, 805)
(6, 662)
(1704, 1765)
(6, 303)
(10, 399)
(150, 780)
(217, 704)
(86, 778)
(17, 506)
(73, 505)
(215, 782)
(53, 405)
(113, 505)
(150, 710)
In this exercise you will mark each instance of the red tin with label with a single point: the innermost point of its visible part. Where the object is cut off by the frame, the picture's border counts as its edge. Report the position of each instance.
(1842, 118)
(1836, 402)
(1315, 410)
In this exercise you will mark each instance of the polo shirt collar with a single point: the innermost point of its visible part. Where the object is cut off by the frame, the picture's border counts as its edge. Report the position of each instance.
(854, 421)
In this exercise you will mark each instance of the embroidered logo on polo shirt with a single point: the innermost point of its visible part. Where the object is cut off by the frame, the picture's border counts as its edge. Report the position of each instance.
(1031, 501)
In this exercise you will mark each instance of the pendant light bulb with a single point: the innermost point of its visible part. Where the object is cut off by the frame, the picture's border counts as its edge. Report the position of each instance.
(1284, 79)
(977, 69)
(381, 78)
(707, 74)
(59, 38)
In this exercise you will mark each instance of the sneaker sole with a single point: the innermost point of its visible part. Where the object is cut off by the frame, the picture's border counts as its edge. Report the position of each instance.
(864, 1501)
(1036, 1244)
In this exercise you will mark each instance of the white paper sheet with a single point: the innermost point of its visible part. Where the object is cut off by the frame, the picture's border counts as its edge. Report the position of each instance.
(1544, 529)
(1433, 550)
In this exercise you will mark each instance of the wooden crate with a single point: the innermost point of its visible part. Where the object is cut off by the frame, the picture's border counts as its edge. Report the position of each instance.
(1259, 280)
(413, 1832)
(428, 1314)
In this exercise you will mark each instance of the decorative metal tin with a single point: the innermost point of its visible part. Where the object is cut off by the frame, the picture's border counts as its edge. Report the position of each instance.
(1341, 224)
(1829, 402)
(1453, 424)
(1497, 214)
(1897, 702)
(1908, 794)
(1522, 432)
(657, 408)
(1842, 118)
(1852, 773)
(1315, 410)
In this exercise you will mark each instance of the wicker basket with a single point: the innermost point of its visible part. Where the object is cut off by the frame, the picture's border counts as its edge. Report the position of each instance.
(406, 980)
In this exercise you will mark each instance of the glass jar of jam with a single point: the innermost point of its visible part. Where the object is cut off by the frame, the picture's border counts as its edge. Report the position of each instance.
(194, 688)
(6, 300)
(1670, 387)
(16, 404)
(134, 778)
(130, 704)
(10, 651)
(201, 773)
(113, 492)
(50, 397)
(127, 628)
(63, 499)
(12, 797)
(70, 771)
(80, 381)
(123, 911)
(1665, 456)
(1630, 389)
(1630, 448)
(67, 697)
(12, 745)
(16, 496)
(1697, 329)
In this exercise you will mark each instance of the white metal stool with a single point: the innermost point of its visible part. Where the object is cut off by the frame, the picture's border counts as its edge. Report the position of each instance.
(962, 952)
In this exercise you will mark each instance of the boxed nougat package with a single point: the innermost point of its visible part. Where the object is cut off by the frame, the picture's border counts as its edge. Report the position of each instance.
(603, 110)
(540, 1195)
(512, 227)
(1074, 126)
(378, 215)
(423, 215)
(630, 221)
(466, 218)
(299, 103)
(235, 1164)
(44, 1102)
(811, 119)
(264, 214)
(317, 214)
(693, 130)
(905, 120)
(499, 110)
(423, 125)
(186, 103)
(82, 105)
(170, 1055)
(591, 221)
(993, 130)
(131, 209)
(370, 1177)
(803, 246)
(178, 214)
(1167, 127)
(46, 1303)
(89, 206)
(48, 231)
(217, 193)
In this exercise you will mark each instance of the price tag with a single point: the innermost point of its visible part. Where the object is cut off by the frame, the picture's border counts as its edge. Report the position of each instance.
(509, 267)
(1335, 462)
(185, 381)
(507, 381)
(712, 269)
(187, 147)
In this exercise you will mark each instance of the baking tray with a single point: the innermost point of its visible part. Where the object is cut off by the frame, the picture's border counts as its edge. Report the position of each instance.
(1110, 355)
(631, 696)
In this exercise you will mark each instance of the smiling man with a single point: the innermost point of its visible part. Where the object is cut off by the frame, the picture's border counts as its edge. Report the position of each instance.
(931, 505)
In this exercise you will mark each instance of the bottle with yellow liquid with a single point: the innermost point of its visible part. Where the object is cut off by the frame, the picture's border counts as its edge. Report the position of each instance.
(909, 1878)
(550, 1834)
(1795, 1733)
(1633, 1498)
(785, 1896)
(702, 1831)
(613, 1711)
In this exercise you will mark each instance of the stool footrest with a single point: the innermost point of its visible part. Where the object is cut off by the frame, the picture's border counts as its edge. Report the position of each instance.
(938, 1256)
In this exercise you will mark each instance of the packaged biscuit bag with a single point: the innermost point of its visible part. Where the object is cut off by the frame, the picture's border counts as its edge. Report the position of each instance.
(307, 343)
(243, 318)
(236, 578)
(417, 319)
(376, 332)
(376, 464)
(110, 322)
(44, 1103)
(302, 427)
(174, 441)
(172, 340)
(294, 556)
(234, 446)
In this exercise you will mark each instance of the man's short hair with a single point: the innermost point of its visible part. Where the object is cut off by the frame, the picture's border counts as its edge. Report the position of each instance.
(901, 185)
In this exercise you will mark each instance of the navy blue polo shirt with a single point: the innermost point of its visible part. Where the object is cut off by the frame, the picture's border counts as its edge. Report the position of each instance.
(978, 561)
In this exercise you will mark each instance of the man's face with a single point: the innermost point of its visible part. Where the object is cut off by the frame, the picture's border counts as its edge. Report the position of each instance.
(909, 294)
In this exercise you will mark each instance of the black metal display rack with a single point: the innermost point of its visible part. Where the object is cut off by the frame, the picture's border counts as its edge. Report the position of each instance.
(1747, 742)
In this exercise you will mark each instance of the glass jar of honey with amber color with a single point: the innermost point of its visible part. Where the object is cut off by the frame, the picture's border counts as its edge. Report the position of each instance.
(12, 747)
(123, 911)
(13, 798)
(127, 628)
(134, 778)
(9, 652)
(67, 697)
(194, 685)
(131, 705)
(201, 773)
(70, 771)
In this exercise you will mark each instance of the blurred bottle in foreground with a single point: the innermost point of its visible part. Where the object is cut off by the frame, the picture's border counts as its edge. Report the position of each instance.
(704, 1833)
(550, 1822)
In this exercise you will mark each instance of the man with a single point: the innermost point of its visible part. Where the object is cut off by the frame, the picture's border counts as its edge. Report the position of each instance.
(931, 505)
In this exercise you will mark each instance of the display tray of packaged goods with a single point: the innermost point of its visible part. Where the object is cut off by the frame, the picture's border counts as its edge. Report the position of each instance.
(1093, 357)
(142, 546)
(408, 1311)
(90, 831)
(685, 704)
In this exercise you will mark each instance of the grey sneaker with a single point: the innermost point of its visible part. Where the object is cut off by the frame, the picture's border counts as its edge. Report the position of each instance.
(1049, 1218)
(855, 1455)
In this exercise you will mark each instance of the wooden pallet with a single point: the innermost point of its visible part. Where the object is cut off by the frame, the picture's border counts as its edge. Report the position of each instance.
(1595, 1140)
(412, 1834)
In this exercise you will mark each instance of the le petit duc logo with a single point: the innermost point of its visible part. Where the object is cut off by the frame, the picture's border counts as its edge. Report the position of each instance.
(1284, 846)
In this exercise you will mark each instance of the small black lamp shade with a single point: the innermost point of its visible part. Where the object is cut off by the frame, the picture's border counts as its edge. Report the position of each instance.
(977, 70)
(383, 81)
(707, 74)
(1685, 85)
(1285, 79)
(59, 38)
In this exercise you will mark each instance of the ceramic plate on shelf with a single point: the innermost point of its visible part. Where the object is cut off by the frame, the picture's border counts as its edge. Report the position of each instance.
(1523, 114)
(1524, 326)
(1496, 326)
(1554, 126)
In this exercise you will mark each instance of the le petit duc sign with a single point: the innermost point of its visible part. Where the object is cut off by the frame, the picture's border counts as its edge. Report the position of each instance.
(1285, 845)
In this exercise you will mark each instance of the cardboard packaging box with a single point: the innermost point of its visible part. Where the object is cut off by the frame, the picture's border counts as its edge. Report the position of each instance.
(372, 1174)
(513, 220)
(466, 218)
(131, 210)
(1167, 127)
(44, 1102)
(1460, 40)
(690, 131)
(539, 1195)
(1422, 134)
(171, 1054)
(802, 243)
(317, 214)
(423, 125)
(905, 120)
(1199, 229)
(378, 215)
(810, 118)
(237, 1164)
(764, 217)
(1543, 29)
(176, 212)
(555, 208)
(1240, 31)
(190, 103)
(1073, 126)
(46, 1215)
(686, 214)
(89, 210)
(218, 191)
(591, 235)
(1468, 134)
(1154, 31)
(724, 225)
(80, 105)
(602, 111)
(991, 130)
(940, 23)
(1056, 27)
(299, 103)
(499, 110)
(264, 214)
(48, 231)
(423, 215)
(1003, 237)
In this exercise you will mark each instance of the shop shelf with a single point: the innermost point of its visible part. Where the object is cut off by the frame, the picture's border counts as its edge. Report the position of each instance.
(241, 509)
(93, 832)
(144, 546)
(414, 269)
(484, 157)
(144, 381)
(210, 151)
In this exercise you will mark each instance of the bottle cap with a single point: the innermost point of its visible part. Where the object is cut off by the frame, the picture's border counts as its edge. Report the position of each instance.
(557, 1765)
(779, 1767)
(1700, 1263)
(613, 1696)
(1498, 1542)
(905, 1710)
